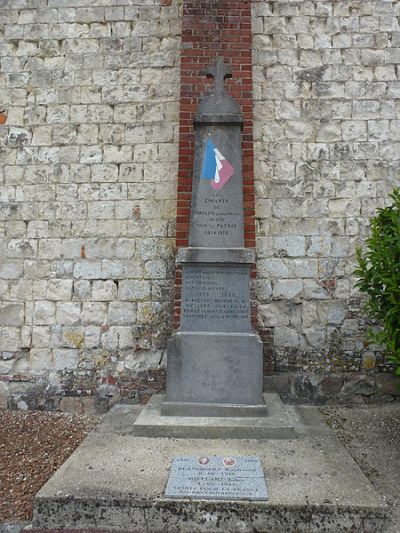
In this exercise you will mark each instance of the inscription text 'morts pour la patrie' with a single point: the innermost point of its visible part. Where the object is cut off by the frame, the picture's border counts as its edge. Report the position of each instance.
(215, 359)
(218, 478)
(216, 217)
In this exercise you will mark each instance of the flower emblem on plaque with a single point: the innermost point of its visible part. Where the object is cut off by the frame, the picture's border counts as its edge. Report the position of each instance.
(229, 461)
(203, 461)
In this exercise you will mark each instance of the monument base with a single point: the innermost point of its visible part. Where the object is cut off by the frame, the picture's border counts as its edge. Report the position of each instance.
(214, 374)
(116, 480)
(212, 409)
(281, 422)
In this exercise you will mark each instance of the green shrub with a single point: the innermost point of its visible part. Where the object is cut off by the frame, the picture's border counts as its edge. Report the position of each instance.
(379, 277)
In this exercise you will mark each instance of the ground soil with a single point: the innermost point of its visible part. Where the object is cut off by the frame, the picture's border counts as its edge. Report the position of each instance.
(32, 447)
(34, 444)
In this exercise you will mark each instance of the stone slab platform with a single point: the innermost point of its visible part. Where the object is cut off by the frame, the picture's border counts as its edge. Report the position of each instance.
(282, 422)
(115, 481)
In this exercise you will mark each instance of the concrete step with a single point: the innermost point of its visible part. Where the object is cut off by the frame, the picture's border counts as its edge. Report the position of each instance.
(280, 423)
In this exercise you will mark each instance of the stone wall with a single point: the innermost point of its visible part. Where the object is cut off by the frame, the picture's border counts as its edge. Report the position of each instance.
(327, 131)
(90, 92)
(88, 147)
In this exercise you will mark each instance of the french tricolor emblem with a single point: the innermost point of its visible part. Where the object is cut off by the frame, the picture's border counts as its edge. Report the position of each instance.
(216, 167)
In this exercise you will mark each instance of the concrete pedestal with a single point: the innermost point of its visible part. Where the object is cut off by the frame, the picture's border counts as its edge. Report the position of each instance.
(214, 374)
(280, 422)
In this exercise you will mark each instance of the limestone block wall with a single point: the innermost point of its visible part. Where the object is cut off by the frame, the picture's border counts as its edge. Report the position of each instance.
(327, 132)
(90, 95)
(88, 145)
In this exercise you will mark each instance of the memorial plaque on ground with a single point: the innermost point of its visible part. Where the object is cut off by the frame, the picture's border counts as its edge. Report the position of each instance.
(217, 478)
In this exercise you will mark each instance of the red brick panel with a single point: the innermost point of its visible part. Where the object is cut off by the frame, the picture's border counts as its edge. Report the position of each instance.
(213, 28)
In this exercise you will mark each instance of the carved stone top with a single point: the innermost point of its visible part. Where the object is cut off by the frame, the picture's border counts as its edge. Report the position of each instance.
(217, 106)
(220, 72)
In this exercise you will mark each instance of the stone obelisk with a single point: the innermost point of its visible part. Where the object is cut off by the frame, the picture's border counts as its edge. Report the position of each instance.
(214, 363)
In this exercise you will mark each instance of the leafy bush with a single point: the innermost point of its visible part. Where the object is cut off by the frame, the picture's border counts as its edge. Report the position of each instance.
(379, 277)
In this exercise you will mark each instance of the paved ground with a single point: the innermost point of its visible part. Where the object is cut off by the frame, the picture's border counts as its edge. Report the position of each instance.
(12, 528)
(42, 441)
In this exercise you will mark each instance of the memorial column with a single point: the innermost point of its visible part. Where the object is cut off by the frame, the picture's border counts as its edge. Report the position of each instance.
(212, 28)
(215, 359)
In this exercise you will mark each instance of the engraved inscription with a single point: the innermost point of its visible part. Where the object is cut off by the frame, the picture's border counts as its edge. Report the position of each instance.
(216, 216)
(232, 478)
(215, 295)
(210, 298)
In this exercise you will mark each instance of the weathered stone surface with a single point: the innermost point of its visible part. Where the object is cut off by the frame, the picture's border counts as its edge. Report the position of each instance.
(324, 162)
(358, 385)
(59, 289)
(68, 313)
(65, 359)
(120, 313)
(40, 360)
(44, 313)
(104, 290)
(11, 314)
(134, 290)
(3, 395)
(71, 404)
(89, 159)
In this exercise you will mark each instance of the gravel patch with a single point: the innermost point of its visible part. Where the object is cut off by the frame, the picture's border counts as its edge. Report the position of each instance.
(371, 434)
(33, 445)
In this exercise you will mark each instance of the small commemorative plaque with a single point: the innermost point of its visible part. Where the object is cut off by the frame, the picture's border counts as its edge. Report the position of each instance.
(217, 478)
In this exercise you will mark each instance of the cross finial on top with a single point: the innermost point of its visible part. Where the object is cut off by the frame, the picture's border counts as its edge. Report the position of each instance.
(220, 71)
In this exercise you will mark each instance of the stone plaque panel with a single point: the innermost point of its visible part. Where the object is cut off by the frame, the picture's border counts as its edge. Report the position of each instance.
(216, 298)
(217, 478)
(217, 214)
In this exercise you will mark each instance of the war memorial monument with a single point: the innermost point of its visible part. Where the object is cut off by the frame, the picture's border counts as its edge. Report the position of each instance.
(214, 454)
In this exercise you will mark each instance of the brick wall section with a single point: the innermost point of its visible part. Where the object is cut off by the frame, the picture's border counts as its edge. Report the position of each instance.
(88, 144)
(211, 28)
(327, 131)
